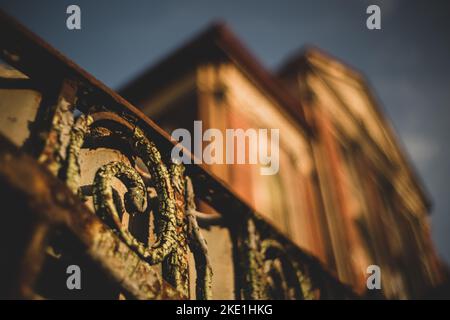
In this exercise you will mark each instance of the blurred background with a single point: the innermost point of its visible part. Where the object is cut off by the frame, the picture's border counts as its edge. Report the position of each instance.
(406, 61)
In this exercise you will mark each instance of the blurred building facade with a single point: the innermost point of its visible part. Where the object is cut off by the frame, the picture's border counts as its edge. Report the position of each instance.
(345, 191)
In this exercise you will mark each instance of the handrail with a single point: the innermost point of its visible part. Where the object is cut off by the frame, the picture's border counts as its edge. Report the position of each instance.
(45, 65)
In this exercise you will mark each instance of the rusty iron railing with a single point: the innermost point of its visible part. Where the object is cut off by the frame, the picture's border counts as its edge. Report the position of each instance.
(41, 184)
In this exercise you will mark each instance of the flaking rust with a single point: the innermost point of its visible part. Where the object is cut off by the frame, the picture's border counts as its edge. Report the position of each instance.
(136, 197)
(176, 265)
(136, 277)
(56, 137)
(54, 204)
(258, 264)
(166, 222)
(176, 227)
(198, 246)
(77, 135)
(171, 246)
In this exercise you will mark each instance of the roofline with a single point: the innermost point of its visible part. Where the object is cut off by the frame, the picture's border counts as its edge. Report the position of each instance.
(300, 59)
(308, 50)
(215, 43)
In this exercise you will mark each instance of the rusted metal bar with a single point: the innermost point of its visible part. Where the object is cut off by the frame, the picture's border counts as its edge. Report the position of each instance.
(43, 64)
(50, 203)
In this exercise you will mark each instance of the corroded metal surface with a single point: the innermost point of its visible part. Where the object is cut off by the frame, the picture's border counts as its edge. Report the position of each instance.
(166, 222)
(175, 267)
(54, 131)
(171, 247)
(199, 247)
(271, 270)
(51, 203)
(105, 205)
(268, 265)
(77, 134)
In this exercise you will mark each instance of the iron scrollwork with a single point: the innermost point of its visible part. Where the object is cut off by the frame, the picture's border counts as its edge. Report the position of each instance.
(269, 271)
(176, 228)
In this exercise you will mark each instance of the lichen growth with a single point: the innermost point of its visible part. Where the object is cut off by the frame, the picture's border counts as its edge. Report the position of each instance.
(305, 284)
(255, 280)
(176, 265)
(198, 246)
(265, 257)
(166, 222)
(56, 139)
(175, 223)
(105, 207)
(77, 135)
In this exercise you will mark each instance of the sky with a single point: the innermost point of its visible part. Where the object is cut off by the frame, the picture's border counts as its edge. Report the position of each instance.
(407, 62)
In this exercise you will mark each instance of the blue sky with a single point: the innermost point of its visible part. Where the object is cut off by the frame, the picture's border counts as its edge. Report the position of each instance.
(407, 62)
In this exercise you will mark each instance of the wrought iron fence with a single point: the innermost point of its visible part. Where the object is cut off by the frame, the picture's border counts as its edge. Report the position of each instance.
(53, 203)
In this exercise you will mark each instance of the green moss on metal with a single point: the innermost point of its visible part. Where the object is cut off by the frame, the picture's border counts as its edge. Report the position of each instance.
(255, 279)
(260, 255)
(175, 223)
(103, 198)
(198, 246)
(166, 222)
(176, 265)
(77, 135)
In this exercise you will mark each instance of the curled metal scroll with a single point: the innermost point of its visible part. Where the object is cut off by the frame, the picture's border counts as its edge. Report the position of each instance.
(147, 151)
(167, 233)
(135, 199)
(282, 280)
(176, 226)
(270, 272)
